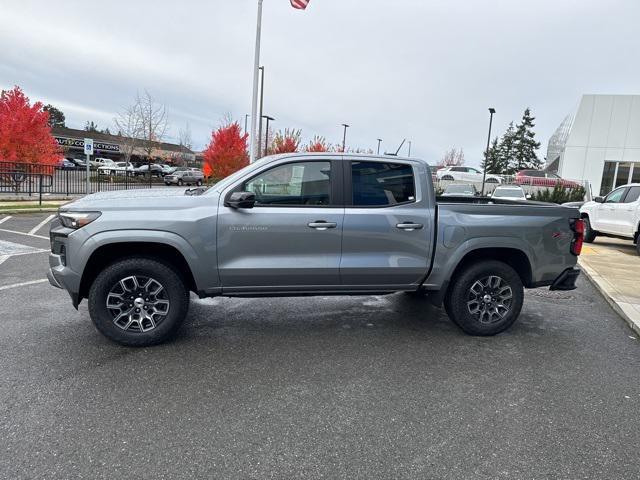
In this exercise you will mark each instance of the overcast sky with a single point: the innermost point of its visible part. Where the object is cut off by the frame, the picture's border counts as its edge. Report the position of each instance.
(426, 70)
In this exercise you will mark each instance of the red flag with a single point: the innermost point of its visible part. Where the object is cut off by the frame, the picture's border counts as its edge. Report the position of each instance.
(300, 4)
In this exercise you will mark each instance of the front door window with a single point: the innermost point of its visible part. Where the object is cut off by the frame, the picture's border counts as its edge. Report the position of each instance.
(292, 184)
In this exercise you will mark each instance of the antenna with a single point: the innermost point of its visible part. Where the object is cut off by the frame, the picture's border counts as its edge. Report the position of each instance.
(398, 150)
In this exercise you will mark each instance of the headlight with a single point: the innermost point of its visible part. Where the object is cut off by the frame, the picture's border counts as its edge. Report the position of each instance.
(77, 220)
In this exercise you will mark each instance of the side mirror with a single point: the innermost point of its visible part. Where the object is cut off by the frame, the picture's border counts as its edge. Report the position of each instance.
(599, 199)
(241, 200)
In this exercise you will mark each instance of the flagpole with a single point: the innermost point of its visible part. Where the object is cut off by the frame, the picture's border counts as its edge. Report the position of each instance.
(254, 101)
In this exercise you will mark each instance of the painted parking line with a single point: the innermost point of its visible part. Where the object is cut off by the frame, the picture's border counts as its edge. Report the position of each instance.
(2, 220)
(12, 248)
(23, 284)
(41, 224)
(25, 234)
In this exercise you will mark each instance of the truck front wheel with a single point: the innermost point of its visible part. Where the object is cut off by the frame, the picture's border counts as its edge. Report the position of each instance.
(485, 298)
(589, 233)
(138, 301)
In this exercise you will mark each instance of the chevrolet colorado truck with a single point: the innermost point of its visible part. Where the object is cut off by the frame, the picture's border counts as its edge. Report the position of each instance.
(616, 215)
(307, 224)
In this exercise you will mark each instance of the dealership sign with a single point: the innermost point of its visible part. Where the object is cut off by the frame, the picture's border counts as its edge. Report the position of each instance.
(79, 143)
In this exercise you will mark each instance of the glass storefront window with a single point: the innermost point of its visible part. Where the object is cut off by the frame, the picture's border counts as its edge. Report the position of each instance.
(615, 174)
(622, 176)
(607, 177)
(635, 174)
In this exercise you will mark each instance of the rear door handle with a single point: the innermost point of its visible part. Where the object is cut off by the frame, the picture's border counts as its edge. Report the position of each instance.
(409, 226)
(322, 225)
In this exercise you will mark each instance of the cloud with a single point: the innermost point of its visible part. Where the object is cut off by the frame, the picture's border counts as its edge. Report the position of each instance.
(425, 71)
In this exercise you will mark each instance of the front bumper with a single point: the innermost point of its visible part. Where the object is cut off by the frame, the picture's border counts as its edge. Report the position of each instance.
(61, 276)
(566, 280)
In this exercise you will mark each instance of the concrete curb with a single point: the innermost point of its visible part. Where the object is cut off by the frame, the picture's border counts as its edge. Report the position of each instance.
(597, 281)
(28, 210)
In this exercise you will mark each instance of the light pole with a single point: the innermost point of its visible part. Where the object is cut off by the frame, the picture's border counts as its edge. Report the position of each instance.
(486, 152)
(246, 117)
(266, 133)
(254, 98)
(344, 137)
(409, 149)
(261, 104)
(379, 142)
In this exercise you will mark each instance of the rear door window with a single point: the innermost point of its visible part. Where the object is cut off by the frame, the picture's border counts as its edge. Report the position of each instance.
(382, 184)
(632, 195)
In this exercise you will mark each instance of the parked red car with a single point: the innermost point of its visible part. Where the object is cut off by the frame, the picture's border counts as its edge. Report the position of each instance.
(540, 178)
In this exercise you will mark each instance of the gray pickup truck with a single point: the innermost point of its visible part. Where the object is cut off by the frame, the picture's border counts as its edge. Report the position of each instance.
(307, 224)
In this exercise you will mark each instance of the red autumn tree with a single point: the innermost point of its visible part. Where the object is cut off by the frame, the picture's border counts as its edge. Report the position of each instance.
(25, 135)
(286, 142)
(227, 151)
(318, 144)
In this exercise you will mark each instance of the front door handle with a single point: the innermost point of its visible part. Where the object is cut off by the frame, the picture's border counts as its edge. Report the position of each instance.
(322, 225)
(409, 226)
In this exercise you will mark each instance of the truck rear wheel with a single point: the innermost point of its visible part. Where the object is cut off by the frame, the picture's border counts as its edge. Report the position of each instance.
(138, 301)
(485, 298)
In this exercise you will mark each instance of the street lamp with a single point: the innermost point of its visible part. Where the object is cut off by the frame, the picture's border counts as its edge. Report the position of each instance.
(486, 153)
(379, 142)
(266, 133)
(344, 137)
(261, 104)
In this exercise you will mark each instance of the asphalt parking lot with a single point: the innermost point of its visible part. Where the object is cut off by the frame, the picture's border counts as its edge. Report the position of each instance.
(320, 387)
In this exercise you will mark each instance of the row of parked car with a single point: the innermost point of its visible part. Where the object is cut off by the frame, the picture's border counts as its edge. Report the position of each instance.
(536, 178)
(504, 192)
(105, 166)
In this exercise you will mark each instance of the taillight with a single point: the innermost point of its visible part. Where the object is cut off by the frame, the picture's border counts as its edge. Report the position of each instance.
(578, 236)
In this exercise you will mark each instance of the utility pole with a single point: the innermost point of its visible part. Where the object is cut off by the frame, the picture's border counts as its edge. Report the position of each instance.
(266, 135)
(379, 142)
(486, 152)
(409, 149)
(254, 99)
(261, 104)
(246, 117)
(344, 137)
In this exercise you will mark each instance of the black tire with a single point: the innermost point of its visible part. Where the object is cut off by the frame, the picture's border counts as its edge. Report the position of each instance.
(447, 178)
(199, 183)
(461, 299)
(174, 291)
(167, 184)
(589, 233)
(180, 182)
(492, 180)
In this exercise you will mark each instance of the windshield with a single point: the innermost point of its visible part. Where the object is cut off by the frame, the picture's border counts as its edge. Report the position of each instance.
(508, 192)
(466, 189)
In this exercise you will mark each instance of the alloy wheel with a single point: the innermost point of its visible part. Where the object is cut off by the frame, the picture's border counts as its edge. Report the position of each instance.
(138, 303)
(490, 299)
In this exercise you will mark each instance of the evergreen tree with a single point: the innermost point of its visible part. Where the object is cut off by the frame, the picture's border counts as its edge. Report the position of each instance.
(506, 151)
(56, 117)
(525, 144)
(491, 162)
(91, 127)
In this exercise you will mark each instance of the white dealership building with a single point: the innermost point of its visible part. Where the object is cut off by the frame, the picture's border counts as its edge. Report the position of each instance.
(599, 143)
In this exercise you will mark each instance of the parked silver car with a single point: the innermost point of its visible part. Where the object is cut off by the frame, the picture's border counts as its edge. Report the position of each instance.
(185, 176)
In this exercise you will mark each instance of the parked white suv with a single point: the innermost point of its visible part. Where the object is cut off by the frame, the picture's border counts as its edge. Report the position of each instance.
(617, 214)
(467, 174)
